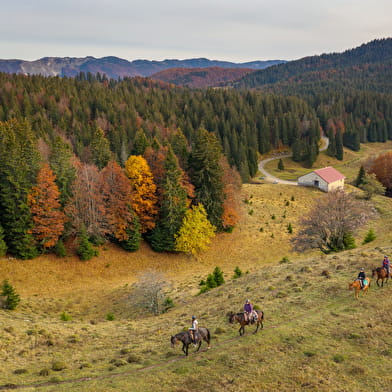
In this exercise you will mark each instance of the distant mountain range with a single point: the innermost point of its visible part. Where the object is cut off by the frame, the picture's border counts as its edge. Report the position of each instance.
(115, 67)
(201, 77)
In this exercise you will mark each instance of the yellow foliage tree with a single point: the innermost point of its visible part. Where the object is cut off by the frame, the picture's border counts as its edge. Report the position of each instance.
(144, 198)
(196, 232)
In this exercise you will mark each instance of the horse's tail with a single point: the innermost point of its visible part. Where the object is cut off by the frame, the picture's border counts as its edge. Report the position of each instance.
(208, 336)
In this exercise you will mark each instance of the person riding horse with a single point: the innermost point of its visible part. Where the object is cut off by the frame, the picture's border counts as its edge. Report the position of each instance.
(248, 312)
(361, 277)
(193, 329)
(386, 264)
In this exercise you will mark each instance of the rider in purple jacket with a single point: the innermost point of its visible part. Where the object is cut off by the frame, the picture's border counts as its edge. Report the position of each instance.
(248, 310)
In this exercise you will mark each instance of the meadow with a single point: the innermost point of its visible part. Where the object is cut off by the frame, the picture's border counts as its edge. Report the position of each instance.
(78, 327)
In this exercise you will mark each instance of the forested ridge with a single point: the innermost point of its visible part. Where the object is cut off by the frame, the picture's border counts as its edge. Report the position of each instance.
(350, 91)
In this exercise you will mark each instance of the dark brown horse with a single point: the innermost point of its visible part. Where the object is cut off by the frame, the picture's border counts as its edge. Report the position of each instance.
(382, 275)
(240, 318)
(186, 340)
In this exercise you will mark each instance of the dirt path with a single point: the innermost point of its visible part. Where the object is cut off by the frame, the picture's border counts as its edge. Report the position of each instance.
(275, 180)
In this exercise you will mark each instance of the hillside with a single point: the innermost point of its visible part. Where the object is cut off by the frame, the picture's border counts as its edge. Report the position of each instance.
(315, 332)
(201, 77)
(114, 67)
(371, 60)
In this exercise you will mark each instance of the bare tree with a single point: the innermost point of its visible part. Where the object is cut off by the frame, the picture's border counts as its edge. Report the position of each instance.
(150, 291)
(330, 224)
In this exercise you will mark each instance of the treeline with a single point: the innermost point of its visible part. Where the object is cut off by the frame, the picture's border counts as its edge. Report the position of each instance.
(350, 92)
(245, 123)
(48, 195)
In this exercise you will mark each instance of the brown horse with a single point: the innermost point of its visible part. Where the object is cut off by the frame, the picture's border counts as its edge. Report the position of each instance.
(356, 285)
(186, 340)
(240, 318)
(382, 275)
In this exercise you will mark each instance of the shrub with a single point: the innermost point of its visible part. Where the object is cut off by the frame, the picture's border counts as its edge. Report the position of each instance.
(57, 366)
(250, 212)
(20, 371)
(284, 260)
(349, 241)
(261, 230)
(168, 303)
(370, 236)
(219, 331)
(44, 372)
(133, 358)
(12, 298)
(65, 317)
(59, 249)
(110, 317)
(287, 203)
(213, 280)
(292, 198)
(85, 249)
(237, 273)
(289, 228)
(273, 216)
(338, 358)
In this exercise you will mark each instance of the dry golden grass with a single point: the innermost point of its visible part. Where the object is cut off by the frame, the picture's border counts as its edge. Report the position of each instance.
(349, 166)
(309, 318)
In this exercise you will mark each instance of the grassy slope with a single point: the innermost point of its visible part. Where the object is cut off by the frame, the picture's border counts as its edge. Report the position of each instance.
(309, 318)
(349, 166)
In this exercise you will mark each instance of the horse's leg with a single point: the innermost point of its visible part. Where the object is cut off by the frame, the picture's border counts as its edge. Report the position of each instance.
(241, 330)
(257, 327)
(183, 348)
(186, 349)
(378, 284)
(198, 347)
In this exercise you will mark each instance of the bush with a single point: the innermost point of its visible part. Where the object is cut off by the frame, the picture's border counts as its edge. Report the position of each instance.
(349, 241)
(168, 303)
(218, 276)
(57, 366)
(213, 280)
(110, 317)
(290, 228)
(338, 358)
(59, 249)
(12, 298)
(237, 273)
(370, 236)
(284, 260)
(65, 317)
(85, 249)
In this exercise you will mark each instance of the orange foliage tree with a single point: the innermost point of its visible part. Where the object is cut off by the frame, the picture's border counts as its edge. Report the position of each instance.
(44, 203)
(116, 191)
(382, 168)
(144, 198)
(231, 189)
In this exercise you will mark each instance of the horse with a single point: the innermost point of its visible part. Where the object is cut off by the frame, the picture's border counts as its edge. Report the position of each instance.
(186, 340)
(382, 274)
(240, 318)
(356, 285)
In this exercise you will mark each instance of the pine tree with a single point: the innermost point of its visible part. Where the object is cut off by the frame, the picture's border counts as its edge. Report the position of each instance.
(360, 177)
(85, 249)
(3, 245)
(207, 176)
(134, 236)
(100, 149)
(339, 145)
(140, 143)
(12, 297)
(19, 159)
(280, 164)
(173, 207)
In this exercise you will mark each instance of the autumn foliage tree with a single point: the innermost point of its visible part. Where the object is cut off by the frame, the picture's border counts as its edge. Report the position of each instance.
(195, 233)
(382, 168)
(144, 199)
(86, 207)
(232, 192)
(116, 191)
(329, 226)
(44, 203)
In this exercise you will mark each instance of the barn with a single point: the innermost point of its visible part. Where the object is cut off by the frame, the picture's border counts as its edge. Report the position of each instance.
(327, 179)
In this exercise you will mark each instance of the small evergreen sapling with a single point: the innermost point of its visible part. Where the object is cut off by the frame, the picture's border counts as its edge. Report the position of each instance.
(12, 298)
(370, 236)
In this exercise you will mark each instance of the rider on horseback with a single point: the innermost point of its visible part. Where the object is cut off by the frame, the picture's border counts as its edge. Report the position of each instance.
(361, 277)
(248, 312)
(386, 264)
(193, 329)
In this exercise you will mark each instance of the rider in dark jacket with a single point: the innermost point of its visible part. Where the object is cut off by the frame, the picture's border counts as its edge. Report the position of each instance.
(386, 264)
(361, 276)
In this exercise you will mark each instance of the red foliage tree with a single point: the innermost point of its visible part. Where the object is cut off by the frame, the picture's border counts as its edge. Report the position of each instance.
(116, 191)
(382, 168)
(44, 204)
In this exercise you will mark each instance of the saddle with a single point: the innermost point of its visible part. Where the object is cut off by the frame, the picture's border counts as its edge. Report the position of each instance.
(364, 283)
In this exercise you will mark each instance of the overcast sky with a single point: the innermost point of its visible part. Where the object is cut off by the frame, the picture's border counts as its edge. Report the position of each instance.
(232, 30)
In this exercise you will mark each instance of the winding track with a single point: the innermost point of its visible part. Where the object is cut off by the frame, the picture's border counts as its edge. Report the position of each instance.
(270, 178)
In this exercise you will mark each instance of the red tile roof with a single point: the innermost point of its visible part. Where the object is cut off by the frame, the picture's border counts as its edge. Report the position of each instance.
(329, 174)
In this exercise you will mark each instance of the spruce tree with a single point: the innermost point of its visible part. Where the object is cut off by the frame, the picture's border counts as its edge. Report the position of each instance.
(12, 297)
(339, 145)
(360, 177)
(3, 245)
(206, 175)
(280, 164)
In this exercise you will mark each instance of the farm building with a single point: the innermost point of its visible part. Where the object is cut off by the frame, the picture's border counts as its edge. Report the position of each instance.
(326, 179)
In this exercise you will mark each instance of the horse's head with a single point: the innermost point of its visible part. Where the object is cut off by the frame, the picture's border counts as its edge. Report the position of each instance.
(231, 317)
(173, 341)
(351, 285)
(374, 270)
